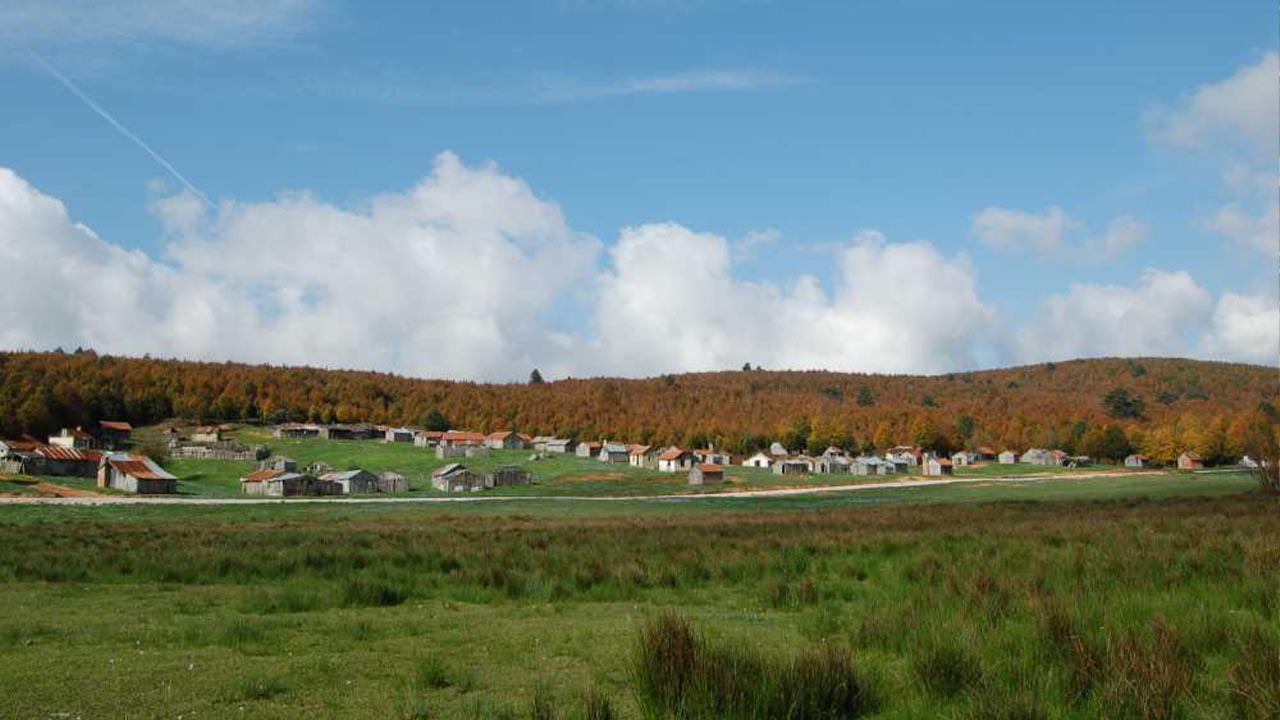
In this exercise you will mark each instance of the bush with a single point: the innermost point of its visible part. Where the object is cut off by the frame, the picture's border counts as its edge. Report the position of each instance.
(678, 674)
(948, 669)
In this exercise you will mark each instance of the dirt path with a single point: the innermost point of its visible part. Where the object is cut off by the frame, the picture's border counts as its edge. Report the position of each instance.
(88, 498)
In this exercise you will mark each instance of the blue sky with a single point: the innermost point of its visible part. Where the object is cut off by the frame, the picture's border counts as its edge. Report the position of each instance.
(804, 123)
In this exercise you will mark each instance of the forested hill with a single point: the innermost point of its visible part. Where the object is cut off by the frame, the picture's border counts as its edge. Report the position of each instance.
(1049, 404)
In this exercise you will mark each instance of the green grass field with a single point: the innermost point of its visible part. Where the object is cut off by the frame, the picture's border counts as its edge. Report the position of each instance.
(1071, 598)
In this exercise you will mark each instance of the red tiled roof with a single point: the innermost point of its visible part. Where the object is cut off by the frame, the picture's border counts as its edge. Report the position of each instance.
(462, 436)
(709, 468)
(117, 425)
(943, 462)
(673, 454)
(26, 444)
(639, 449)
(500, 435)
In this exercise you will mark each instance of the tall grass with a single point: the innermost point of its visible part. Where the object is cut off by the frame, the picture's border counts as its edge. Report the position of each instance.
(679, 674)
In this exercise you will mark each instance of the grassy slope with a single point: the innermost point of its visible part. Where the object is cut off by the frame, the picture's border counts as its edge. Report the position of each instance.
(271, 609)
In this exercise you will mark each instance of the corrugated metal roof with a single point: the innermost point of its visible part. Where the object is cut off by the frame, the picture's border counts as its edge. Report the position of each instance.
(140, 467)
(53, 452)
(262, 475)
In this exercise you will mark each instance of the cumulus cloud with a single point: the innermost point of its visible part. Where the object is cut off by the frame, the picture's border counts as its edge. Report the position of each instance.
(1245, 328)
(1259, 232)
(1163, 313)
(450, 278)
(214, 23)
(671, 302)
(1123, 233)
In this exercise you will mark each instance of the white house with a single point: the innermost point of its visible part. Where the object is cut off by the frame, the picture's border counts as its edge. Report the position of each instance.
(643, 456)
(613, 452)
(675, 460)
(1008, 457)
(759, 460)
(399, 434)
(777, 450)
(1135, 461)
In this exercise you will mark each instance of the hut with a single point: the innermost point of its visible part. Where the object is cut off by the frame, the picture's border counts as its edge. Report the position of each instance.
(792, 466)
(398, 435)
(508, 476)
(643, 456)
(392, 482)
(74, 439)
(505, 440)
(588, 449)
(562, 446)
(1008, 457)
(427, 438)
(136, 474)
(455, 477)
(297, 431)
(759, 460)
(675, 459)
(936, 466)
(207, 434)
(1135, 461)
(613, 452)
(111, 433)
(706, 474)
(834, 464)
(778, 450)
(1190, 461)
(352, 482)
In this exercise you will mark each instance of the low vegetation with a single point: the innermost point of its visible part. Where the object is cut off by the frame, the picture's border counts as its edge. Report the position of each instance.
(801, 608)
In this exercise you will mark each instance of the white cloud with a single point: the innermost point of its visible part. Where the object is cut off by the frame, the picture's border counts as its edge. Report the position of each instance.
(451, 278)
(1245, 328)
(1244, 108)
(1236, 123)
(1164, 313)
(1015, 230)
(1260, 232)
(671, 303)
(1123, 233)
(1051, 233)
(746, 248)
(211, 23)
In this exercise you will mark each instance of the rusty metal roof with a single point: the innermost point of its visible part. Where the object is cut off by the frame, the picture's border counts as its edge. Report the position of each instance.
(117, 425)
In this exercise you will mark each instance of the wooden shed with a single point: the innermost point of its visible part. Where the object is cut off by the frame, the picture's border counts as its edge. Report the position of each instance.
(706, 474)
(135, 474)
(456, 477)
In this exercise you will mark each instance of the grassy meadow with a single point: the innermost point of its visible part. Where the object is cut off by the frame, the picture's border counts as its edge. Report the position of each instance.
(1109, 597)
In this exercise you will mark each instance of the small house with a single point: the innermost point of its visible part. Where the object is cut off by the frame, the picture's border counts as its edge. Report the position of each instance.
(711, 456)
(398, 435)
(427, 438)
(392, 482)
(870, 465)
(1135, 461)
(643, 456)
(508, 476)
(759, 460)
(834, 464)
(504, 440)
(706, 474)
(986, 453)
(352, 482)
(207, 434)
(297, 431)
(905, 454)
(539, 442)
(455, 477)
(675, 460)
(893, 465)
(777, 450)
(279, 463)
(588, 449)
(66, 462)
(136, 474)
(612, 452)
(271, 482)
(1190, 461)
(1008, 457)
(963, 458)
(792, 466)
(936, 466)
(73, 439)
(114, 432)
(461, 438)
(562, 446)
(1040, 456)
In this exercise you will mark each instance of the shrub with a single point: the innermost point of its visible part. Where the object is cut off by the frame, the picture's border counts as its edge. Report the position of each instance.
(948, 669)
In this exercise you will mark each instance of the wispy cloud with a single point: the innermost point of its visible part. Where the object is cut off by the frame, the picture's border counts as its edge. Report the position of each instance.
(208, 23)
(682, 82)
(399, 88)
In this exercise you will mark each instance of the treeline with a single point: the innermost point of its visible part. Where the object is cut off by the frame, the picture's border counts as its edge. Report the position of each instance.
(1104, 407)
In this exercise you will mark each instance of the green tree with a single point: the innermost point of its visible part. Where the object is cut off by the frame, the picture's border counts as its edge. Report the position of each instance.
(865, 397)
(535, 377)
(1120, 403)
(435, 421)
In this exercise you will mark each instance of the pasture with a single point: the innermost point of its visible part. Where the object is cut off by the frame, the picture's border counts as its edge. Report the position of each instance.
(1109, 597)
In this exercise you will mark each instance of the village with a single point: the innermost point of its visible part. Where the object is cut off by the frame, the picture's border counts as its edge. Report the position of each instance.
(109, 455)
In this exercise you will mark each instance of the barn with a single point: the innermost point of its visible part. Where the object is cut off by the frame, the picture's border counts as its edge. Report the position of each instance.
(135, 474)
(455, 477)
(352, 482)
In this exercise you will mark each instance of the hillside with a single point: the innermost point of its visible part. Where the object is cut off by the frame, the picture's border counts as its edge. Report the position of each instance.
(1165, 404)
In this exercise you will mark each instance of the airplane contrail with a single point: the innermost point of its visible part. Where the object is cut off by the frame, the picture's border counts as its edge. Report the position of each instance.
(120, 127)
